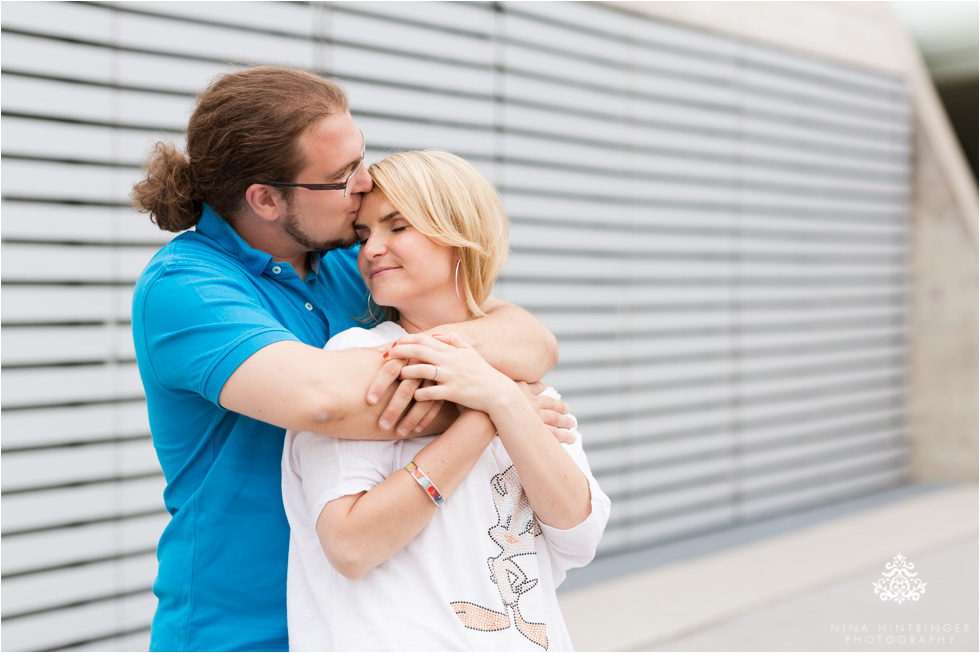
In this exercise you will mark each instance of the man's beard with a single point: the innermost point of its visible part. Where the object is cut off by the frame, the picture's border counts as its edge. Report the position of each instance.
(290, 224)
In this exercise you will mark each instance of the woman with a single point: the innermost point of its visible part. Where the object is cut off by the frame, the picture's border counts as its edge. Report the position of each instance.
(398, 545)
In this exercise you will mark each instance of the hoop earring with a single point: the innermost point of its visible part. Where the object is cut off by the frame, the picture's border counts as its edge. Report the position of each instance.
(456, 283)
(370, 309)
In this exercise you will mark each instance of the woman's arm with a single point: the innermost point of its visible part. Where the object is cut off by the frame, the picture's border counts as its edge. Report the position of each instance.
(555, 486)
(359, 532)
(509, 338)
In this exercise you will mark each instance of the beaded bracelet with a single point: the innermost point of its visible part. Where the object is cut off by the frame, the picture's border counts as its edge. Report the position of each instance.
(426, 483)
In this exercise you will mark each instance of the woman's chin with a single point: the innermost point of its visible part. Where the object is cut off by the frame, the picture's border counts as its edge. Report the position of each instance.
(388, 302)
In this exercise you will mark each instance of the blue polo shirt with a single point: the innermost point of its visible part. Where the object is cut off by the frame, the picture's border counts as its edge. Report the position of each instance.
(205, 303)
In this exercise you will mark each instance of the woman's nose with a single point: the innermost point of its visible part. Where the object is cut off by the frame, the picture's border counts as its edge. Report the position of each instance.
(373, 247)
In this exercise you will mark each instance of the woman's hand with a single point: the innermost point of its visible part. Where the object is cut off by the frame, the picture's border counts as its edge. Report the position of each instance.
(458, 372)
(556, 487)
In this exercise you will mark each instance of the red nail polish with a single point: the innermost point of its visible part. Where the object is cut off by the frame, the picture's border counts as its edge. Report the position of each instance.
(385, 355)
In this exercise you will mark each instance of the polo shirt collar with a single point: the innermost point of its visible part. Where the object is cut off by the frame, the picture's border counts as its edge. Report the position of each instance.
(217, 229)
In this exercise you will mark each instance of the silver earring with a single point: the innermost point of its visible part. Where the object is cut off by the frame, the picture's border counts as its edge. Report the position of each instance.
(370, 309)
(456, 284)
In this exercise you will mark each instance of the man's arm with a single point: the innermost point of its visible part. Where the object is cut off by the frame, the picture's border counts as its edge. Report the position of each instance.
(510, 339)
(296, 386)
(299, 387)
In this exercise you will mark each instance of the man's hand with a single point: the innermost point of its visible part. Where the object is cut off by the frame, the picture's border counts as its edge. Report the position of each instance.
(419, 416)
(553, 412)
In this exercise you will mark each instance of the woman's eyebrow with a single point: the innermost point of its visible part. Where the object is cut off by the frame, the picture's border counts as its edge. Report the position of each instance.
(382, 219)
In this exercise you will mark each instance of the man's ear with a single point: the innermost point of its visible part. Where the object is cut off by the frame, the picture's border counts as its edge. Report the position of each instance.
(265, 201)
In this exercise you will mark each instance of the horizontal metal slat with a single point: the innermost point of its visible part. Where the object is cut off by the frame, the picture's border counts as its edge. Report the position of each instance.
(80, 224)
(128, 639)
(825, 493)
(64, 303)
(297, 18)
(569, 212)
(76, 626)
(98, 104)
(685, 523)
(605, 29)
(72, 385)
(76, 263)
(66, 345)
(55, 509)
(62, 548)
(755, 464)
(25, 430)
(75, 466)
(52, 591)
(96, 184)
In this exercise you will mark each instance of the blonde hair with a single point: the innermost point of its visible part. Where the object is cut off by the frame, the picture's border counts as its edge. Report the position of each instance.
(447, 200)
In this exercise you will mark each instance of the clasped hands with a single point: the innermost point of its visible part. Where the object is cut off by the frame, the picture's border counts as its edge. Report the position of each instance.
(432, 369)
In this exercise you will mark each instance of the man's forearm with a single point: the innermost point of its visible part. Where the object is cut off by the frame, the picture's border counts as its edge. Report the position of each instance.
(510, 339)
(295, 386)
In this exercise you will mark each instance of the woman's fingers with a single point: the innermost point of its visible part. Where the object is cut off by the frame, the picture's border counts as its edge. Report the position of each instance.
(433, 393)
(425, 372)
(420, 352)
(424, 339)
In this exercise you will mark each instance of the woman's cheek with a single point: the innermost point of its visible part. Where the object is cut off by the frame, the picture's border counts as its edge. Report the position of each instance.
(362, 269)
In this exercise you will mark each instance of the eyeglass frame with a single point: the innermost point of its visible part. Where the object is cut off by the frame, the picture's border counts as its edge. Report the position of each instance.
(344, 186)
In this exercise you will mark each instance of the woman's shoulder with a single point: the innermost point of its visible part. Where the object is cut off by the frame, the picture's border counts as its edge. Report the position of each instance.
(359, 337)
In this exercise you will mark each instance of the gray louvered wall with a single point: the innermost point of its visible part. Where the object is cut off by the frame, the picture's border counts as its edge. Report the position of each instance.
(715, 231)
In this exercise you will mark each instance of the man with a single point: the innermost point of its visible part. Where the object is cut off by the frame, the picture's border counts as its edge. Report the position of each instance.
(229, 320)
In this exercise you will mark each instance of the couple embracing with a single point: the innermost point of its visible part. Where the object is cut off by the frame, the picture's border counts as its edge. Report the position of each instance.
(348, 422)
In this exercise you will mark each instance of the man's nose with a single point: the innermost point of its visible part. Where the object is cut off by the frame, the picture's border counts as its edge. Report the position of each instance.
(362, 181)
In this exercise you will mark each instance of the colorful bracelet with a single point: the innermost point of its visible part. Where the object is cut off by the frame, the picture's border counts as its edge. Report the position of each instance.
(426, 483)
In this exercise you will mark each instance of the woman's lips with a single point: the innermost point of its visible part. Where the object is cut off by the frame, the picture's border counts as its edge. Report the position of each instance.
(380, 271)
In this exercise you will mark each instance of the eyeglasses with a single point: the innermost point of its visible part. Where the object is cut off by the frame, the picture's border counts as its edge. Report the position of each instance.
(344, 185)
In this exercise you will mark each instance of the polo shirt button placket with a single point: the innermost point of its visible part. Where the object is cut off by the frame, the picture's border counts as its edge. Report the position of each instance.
(276, 269)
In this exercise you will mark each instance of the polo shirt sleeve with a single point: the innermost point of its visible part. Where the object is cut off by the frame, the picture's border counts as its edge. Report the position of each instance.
(200, 323)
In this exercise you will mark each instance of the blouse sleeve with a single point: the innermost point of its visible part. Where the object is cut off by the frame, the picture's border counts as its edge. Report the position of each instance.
(576, 546)
(329, 468)
(326, 468)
